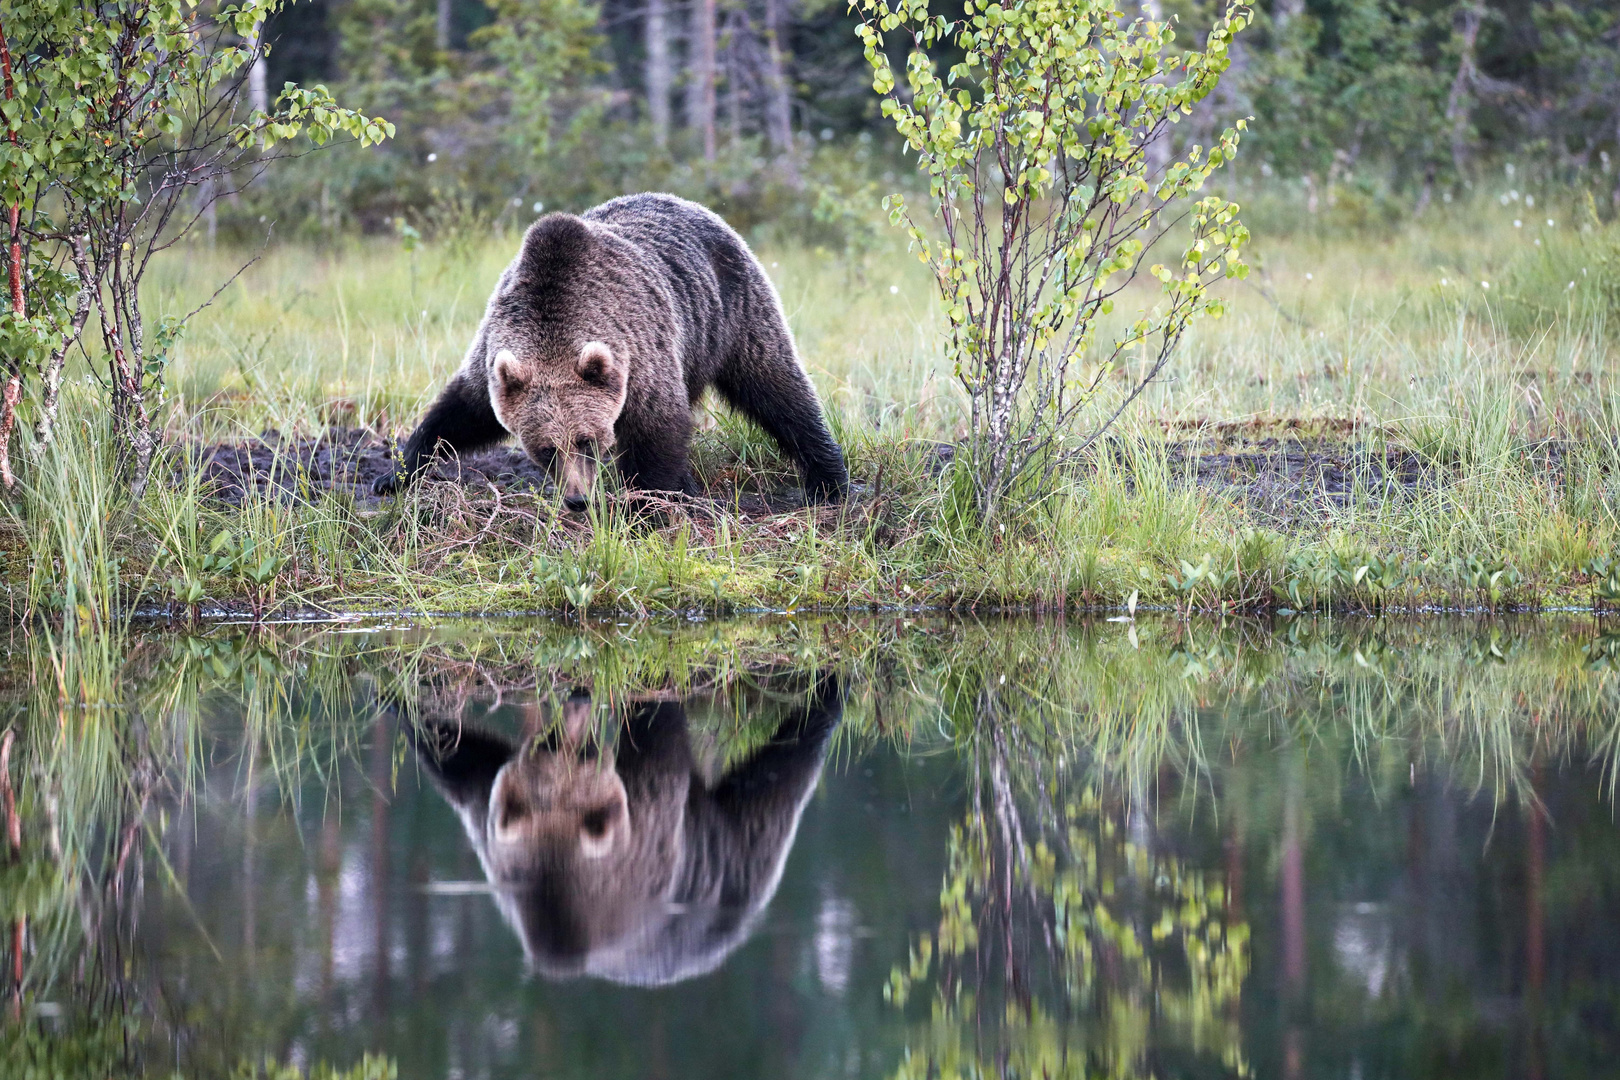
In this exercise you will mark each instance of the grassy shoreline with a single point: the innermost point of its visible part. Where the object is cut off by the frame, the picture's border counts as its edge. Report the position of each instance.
(1466, 444)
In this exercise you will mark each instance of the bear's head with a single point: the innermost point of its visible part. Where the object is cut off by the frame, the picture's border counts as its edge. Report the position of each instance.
(557, 802)
(562, 408)
(580, 861)
(552, 381)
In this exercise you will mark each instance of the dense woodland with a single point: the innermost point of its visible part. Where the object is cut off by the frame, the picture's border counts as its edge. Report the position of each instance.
(1374, 108)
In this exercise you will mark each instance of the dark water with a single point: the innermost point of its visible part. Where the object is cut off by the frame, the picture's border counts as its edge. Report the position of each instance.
(809, 851)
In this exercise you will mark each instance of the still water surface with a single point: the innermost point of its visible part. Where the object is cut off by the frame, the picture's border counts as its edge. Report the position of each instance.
(817, 850)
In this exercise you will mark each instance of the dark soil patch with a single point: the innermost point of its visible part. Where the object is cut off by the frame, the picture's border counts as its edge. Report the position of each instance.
(1286, 481)
(349, 460)
(1289, 481)
(346, 460)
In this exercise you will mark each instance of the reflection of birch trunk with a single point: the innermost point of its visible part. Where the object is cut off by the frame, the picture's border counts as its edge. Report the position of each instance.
(658, 70)
(326, 887)
(381, 760)
(1535, 948)
(1293, 912)
(1012, 838)
(250, 856)
(19, 926)
(1008, 819)
(1293, 882)
(441, 25)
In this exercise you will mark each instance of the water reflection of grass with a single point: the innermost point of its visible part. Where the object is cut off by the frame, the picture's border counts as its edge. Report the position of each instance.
(117, 730)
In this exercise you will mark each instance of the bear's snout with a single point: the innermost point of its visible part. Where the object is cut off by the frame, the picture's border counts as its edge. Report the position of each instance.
(574, 467)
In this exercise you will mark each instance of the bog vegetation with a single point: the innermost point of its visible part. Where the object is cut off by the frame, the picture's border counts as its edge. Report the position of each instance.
(1408, 399)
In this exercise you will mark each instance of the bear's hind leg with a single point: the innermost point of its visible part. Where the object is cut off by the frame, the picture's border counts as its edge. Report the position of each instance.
(462, 420)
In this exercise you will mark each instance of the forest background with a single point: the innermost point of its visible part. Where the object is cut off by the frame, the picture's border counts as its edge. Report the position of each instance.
(1366, 111)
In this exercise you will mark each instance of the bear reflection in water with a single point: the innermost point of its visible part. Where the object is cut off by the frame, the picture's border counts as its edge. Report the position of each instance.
(620, 861)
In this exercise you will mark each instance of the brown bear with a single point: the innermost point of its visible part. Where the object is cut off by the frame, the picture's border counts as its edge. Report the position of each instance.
(621, 861)
(601, 337)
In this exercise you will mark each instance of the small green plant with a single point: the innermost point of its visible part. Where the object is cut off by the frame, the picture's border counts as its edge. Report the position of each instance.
(579, 586)
(1494, 582)
(1605, 574)
(189, 591)
(260, 566)
(1309, 580)
(1370, 579)
(250, 560)
(717, 594)
(805, 573)
(1214, 579)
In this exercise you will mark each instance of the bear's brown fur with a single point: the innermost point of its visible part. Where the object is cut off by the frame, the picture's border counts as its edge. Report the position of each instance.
(601, 337)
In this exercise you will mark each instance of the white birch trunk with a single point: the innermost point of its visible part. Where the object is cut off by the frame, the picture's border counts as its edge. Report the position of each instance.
(658, 70)
(778, 100)
(700, 91)
(258, 91)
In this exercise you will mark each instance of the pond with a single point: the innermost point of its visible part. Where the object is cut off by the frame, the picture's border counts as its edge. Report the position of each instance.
(896, 847)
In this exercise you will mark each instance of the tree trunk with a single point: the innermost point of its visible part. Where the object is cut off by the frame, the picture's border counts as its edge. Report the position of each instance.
(45, 428)
(1458, 102)
(778, 100)
(700, 92)
(123, 343)
(731, 71)
(441, 25)
(258, 90)
(14, 267)
(658, 71)
(1157, 150)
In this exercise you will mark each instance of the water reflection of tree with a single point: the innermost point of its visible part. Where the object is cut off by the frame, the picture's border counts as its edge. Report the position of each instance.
(1069, 942)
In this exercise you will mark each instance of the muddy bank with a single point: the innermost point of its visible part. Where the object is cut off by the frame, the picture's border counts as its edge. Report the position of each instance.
(349, 460)
(1284, 481)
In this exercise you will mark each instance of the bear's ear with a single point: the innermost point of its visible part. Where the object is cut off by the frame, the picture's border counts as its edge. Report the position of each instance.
(599, 367)
(509, 375)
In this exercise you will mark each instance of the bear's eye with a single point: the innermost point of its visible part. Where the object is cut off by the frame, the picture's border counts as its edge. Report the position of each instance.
(584, 445)
(596, 823)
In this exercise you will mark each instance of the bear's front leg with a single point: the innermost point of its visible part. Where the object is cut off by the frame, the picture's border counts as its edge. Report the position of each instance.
(462, 420)
(654, 457)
